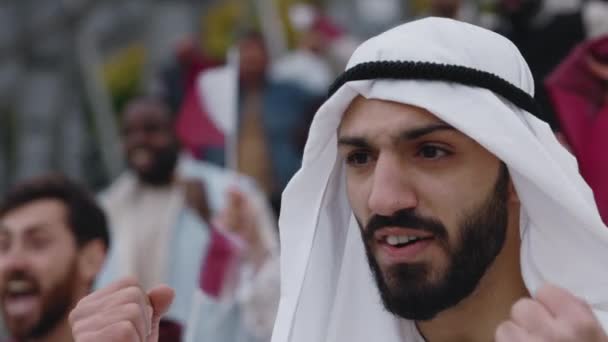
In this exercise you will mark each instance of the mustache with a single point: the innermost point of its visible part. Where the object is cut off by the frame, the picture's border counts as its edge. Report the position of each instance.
(405, 218)
(20, 275)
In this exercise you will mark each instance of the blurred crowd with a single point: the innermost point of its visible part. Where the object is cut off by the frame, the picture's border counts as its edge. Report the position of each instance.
(209, 139)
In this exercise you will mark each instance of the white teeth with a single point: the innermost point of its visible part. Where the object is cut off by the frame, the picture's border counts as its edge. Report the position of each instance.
(394, 240)
(141, 156)
(19, 286)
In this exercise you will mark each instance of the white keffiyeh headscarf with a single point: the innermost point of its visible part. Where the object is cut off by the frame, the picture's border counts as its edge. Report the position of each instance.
(328, 293)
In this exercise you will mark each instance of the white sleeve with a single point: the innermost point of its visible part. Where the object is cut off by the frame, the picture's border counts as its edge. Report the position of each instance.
(259, 299)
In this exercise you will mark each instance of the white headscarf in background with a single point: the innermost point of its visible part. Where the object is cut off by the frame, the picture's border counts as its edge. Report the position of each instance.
(328, 293)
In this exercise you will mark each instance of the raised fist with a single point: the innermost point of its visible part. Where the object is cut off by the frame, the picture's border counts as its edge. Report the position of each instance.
(554, 315)
(121, 312)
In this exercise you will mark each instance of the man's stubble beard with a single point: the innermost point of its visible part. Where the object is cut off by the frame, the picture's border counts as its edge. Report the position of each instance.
(55, 305)
(163, 170)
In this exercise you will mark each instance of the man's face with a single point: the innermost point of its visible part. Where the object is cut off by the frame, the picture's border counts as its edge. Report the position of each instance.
(430, 201)
(38, 268)
(149, 142)
(253, 59)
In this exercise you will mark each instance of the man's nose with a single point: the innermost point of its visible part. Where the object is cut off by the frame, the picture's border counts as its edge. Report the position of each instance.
(391, 189)
(136, 137)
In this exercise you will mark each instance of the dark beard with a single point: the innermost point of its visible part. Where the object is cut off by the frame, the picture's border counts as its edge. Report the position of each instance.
(162, 172)
(55, 306)
(417, 292)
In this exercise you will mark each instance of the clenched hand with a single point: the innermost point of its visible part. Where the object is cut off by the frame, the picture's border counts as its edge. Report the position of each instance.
(554, 315)
(121, 312)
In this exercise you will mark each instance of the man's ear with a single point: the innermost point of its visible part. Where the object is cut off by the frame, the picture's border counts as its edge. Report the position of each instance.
(91, 260)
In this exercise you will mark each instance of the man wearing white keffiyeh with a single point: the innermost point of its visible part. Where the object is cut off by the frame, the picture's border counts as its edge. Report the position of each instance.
(428, 160)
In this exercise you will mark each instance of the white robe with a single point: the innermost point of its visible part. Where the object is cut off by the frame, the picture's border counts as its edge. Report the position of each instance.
(157, 238)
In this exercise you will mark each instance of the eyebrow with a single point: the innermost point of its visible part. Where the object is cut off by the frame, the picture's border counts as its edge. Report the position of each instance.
(32, 229)
(410, 134)
(422, 131)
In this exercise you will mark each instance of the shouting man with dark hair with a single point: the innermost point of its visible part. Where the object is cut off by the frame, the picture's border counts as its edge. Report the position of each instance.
(53, 241)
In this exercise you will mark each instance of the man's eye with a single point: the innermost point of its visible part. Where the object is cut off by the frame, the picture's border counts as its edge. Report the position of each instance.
(358, 158)
(152, 128)
(39, 243)
(432, 152)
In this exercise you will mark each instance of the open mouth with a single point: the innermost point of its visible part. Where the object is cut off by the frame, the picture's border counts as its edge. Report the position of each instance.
(20, 297)
(402, 244)
(401, 237)
(141, 157)
(400, 241)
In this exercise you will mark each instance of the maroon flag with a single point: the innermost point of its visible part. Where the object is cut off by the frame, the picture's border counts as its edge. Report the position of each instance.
(579, 96)
(219, 271)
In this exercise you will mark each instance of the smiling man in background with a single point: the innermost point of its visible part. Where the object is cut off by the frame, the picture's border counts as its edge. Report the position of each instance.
(53, 240)
(168, 214)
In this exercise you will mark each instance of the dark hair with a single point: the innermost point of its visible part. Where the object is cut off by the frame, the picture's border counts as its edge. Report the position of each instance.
(86, 219)
(156, 99)
(252, 35)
